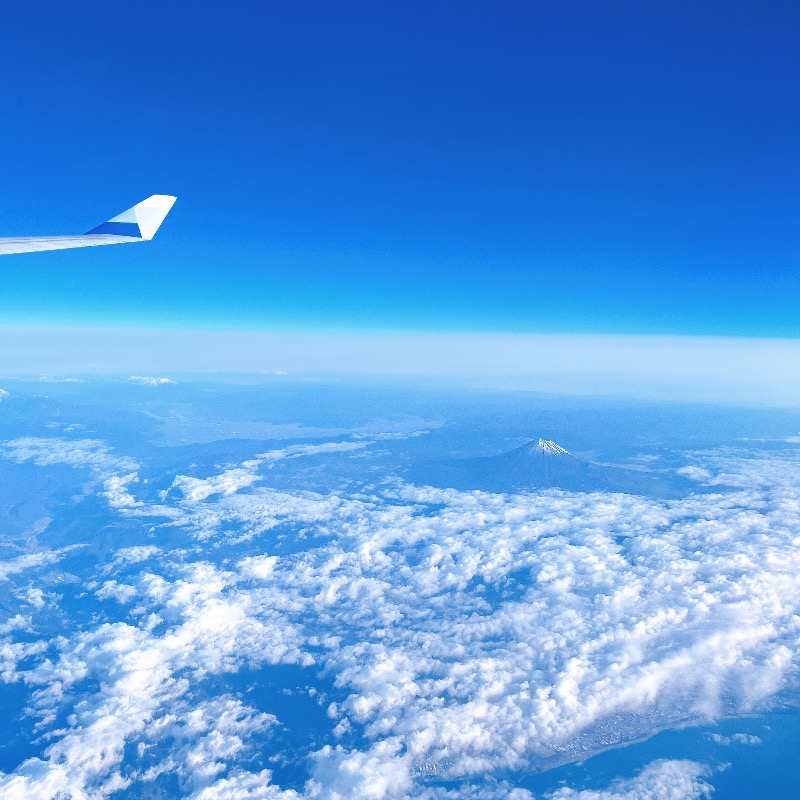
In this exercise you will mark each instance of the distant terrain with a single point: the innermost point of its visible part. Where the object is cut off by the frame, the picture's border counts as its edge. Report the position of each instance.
(543, 464)
(300, 590)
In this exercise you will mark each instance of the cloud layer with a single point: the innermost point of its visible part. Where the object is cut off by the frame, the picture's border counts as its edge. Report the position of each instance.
(466, 634)
(694, 368)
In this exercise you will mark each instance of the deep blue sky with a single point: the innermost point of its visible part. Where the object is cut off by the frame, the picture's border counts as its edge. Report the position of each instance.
(511, 166)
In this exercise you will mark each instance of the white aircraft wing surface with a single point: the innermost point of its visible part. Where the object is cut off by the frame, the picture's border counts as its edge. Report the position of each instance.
(137, 224)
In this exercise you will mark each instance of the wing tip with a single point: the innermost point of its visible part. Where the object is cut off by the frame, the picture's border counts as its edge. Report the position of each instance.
(140, 221)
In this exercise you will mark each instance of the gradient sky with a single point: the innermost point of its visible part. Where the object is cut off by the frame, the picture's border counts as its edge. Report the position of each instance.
(540, 167)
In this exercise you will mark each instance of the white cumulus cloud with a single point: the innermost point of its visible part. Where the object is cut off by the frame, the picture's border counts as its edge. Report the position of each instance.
(467, 634)
(661, 780)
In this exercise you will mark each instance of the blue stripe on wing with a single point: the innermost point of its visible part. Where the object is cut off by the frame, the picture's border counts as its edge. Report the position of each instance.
(117, 229)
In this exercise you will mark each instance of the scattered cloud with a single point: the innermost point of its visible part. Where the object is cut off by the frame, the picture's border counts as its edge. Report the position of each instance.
(134, 555)
(145, 681)
(89, 454)
(122, 592)
(232, 480)
(466, 633)
(660, 780)
(29, 561)
(736, 738)
(300, 450)
(195, 490)
(145, 381)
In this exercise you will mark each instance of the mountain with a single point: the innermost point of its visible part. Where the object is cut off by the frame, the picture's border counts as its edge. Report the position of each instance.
(544, 464)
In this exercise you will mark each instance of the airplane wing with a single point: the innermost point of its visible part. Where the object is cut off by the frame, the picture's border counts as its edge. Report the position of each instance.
(137, 224)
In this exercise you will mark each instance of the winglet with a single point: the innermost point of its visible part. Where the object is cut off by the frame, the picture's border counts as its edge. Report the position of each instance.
(141, 222)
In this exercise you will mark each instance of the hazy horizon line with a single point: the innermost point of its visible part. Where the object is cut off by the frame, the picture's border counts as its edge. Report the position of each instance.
(759, 371)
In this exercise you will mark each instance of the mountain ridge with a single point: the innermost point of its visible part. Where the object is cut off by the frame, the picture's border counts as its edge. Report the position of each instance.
(543, 464)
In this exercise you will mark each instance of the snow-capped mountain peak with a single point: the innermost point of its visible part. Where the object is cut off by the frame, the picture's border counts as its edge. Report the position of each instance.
(548, 447)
